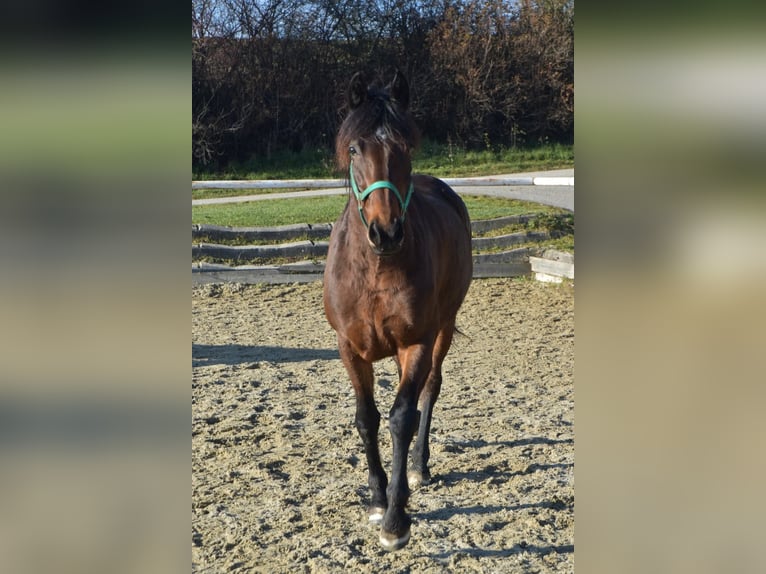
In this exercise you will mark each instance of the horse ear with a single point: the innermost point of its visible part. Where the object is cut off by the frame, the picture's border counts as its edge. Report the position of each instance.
(400, 90)
(357, 90)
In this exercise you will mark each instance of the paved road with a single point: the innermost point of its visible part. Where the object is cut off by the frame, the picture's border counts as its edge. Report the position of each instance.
(557, 196)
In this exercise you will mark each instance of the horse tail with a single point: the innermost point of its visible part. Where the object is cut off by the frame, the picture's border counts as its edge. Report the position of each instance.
(459, 332)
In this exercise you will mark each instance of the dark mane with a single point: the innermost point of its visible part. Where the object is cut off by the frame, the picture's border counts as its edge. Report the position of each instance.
(377, 115)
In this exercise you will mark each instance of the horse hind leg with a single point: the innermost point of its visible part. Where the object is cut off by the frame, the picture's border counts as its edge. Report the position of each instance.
(419, 475)
(398, 366)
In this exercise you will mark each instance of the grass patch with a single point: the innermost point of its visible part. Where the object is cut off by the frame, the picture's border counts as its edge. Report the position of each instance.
(447, 160)
(317, 163)
(440, 160)
(565, 243)
(327, 209)
(556, 221)
(486, 207)
(272, 212)
(508, 229)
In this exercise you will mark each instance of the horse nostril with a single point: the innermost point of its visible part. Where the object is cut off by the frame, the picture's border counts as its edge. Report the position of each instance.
(398, 231)
(373, 232)
(386, 238)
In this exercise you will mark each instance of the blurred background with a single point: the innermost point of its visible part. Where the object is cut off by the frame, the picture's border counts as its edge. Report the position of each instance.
(94, 368)
(671, 151)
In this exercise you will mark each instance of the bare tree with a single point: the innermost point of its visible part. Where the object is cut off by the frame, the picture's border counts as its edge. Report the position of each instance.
(270, 74)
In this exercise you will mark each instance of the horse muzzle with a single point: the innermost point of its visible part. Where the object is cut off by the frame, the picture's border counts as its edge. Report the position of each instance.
(386, 240)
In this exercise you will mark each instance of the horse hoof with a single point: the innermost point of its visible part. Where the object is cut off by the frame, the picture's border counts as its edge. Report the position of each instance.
(376, 514)
(392, 542)
(416, 479)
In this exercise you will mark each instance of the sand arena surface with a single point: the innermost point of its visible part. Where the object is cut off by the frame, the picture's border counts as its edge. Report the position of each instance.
(278, 472)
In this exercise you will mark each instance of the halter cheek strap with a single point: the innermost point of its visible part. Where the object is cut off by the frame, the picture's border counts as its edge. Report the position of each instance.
(361, 196)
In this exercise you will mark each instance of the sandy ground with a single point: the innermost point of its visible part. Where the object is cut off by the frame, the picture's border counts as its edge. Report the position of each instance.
(278, 473)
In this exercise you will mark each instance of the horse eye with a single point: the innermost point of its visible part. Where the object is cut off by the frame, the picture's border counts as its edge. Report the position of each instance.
(352, 150)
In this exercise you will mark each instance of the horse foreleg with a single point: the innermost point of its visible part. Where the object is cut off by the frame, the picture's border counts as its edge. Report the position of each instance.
(416, 363)
(367, 422)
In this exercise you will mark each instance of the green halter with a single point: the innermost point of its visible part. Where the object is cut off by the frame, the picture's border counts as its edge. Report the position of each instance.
(361, 196)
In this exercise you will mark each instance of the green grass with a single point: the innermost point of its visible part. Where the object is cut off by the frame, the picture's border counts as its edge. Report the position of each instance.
(441, 160)
(327, 209)
(538, 247)
(446, 160)
(565, 243)
(317, 163)
(218, 192)
(269, 213)
(484, 207)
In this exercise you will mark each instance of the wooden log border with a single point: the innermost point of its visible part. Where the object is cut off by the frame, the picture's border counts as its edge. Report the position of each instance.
(502, 241)
(255, 252)
(319, 248)
(308, 271)
(281, 233)
(322, 230)
(553, 266)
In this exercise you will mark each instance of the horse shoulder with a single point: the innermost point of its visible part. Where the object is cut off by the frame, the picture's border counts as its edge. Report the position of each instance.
(438, 191)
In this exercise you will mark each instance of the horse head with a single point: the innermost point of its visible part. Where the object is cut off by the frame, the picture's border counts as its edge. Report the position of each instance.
(374, 144)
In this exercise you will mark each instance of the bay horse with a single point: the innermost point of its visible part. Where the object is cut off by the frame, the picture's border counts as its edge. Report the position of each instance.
(398, 268)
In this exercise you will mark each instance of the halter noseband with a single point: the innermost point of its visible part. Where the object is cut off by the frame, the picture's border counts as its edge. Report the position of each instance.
(361, 196)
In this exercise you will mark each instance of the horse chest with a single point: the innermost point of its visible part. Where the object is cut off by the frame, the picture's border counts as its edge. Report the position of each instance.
(381, 325)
